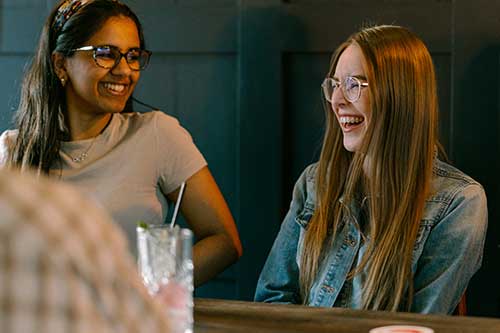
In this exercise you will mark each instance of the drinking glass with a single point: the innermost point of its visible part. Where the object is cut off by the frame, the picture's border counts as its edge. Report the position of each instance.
(166, 266)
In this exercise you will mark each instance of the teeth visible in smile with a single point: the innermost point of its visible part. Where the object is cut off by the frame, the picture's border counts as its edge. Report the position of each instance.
(351, 120)
(114, 87)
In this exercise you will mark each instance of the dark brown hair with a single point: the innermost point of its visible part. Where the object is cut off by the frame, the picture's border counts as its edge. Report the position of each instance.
(40, 116)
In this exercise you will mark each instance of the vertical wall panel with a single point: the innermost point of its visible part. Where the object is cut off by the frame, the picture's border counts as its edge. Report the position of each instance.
(260, 135)
(207, 101)
(194, 28)
(157, 85)
(442, 64)
(475, 125)
(20, 24)
(11, 67)
(303, 74)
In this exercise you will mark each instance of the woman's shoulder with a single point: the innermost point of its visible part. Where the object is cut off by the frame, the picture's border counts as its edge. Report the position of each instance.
(305, 186)
(307, 179)
(148, 117)
(7, 140)
(449, 184)
(8, 136)
(310, 171)
(447, 176)
(151, 120)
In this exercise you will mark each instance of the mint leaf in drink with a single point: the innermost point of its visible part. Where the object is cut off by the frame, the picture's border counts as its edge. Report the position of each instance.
(143, 225)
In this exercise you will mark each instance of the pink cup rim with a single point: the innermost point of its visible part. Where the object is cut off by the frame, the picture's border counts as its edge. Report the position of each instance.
(401, 329)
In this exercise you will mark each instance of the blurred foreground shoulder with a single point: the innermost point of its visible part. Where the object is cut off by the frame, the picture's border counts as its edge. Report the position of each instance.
(73, 260)
(7, 140)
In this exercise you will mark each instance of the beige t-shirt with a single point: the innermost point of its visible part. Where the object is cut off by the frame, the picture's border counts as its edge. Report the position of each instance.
(129, 167)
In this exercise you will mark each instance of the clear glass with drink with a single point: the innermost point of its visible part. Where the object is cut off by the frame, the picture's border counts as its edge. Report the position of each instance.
(166, 266)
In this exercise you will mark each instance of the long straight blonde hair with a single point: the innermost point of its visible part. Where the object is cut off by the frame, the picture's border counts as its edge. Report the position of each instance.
(400, 143)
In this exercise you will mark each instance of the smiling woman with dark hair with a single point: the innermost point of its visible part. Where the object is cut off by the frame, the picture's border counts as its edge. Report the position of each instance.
(379, 223)
(71, 126)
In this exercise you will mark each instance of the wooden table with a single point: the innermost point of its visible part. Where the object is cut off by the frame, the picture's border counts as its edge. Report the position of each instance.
(224, 316)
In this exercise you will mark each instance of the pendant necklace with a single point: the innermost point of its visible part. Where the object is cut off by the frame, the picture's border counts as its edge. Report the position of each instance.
(82, 156)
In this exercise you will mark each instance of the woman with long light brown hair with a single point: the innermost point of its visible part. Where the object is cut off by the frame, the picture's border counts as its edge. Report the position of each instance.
(379, 223)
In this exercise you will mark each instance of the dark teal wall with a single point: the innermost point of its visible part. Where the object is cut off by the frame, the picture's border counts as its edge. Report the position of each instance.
(243, 77)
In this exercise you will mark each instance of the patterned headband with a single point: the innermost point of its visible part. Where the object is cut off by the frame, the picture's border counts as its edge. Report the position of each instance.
(64, 13)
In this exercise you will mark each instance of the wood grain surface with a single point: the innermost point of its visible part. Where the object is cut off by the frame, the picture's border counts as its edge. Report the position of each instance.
(211, 315)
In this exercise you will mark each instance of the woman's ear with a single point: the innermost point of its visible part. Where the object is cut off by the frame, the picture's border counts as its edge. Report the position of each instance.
(59, 63)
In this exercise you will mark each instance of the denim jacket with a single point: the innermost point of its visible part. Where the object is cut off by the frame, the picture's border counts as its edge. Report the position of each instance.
(447, 252)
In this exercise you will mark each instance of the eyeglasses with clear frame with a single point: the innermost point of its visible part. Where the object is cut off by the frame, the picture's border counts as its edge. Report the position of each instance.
(109, 56)
(351, 88)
